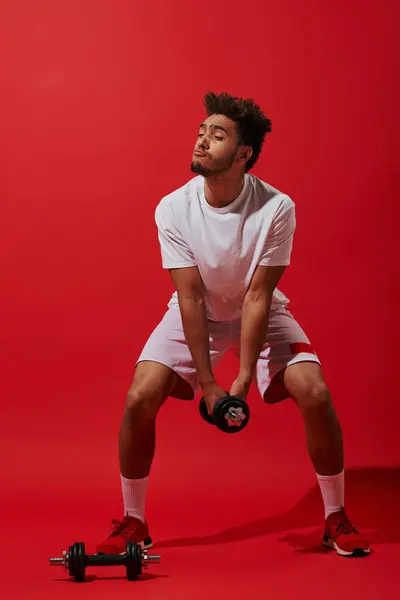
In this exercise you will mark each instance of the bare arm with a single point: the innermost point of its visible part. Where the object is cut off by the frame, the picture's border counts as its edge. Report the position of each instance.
(190, 290)
(255, 315)
(257, 301)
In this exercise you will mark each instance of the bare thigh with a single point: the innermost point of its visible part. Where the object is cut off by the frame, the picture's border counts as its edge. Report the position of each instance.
(154, 382)
(291, 381)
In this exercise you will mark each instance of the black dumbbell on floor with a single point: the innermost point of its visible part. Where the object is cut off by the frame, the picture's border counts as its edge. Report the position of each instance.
(76, 561)
(230, 414)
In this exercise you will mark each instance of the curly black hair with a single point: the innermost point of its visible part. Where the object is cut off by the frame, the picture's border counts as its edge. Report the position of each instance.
(251, 124)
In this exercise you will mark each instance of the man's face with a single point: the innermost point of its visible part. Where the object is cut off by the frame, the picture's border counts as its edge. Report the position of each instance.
(217, 146)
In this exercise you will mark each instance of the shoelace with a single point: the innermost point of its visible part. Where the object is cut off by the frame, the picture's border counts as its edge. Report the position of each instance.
(345, 527)
(119, 526)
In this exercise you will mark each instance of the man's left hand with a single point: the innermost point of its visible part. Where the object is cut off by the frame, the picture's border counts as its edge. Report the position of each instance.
(240, 388)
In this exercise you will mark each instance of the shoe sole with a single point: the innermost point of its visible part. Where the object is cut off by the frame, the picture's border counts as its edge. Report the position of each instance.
(357, 552)
(146, 544)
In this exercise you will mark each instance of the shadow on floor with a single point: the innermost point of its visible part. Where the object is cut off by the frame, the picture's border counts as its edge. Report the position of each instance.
(372, 503)
(90, 578)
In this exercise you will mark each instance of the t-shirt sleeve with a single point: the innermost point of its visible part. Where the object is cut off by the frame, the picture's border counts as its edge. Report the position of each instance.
(175, 252)
(279, 242)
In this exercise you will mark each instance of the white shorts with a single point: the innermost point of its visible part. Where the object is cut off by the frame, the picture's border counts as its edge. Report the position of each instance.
(286, 343)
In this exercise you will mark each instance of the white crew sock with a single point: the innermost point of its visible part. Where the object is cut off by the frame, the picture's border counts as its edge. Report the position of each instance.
(134, 496)
(332, 490)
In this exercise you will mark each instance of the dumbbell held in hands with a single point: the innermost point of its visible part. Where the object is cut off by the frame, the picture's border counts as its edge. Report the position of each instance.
(230, 413)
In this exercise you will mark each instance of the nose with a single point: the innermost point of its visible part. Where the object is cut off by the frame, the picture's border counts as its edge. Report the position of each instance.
(203, 142)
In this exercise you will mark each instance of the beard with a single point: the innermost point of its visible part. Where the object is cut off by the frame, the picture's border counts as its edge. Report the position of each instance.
(216, 168)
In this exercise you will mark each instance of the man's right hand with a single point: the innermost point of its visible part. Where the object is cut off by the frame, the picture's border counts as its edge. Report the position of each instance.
(212, 392)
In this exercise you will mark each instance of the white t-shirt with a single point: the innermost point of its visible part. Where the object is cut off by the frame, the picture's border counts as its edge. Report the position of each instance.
(226, 244)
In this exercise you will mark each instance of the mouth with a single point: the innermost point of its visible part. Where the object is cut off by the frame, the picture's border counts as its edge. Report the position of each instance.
(198, 153)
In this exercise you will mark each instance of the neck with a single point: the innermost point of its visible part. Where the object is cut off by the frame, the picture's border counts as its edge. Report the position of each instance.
(221, 191)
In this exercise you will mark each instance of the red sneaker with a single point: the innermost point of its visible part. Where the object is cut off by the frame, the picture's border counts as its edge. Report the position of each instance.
(130, 529)
(341, 535)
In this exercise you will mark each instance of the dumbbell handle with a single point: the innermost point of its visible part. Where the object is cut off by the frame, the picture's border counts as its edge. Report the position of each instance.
(106, 560)
(150, 558)
(236, 415)
(56, 562)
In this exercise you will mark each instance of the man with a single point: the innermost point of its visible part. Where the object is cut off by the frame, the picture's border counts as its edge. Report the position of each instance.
(226, 238)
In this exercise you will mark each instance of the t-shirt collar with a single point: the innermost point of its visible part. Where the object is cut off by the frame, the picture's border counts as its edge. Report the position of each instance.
(225, 209)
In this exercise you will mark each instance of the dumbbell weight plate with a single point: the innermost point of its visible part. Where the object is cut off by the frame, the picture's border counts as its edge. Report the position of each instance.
(77, 564)
(220, 410)
(133, 561)
(204, 412)
(71, 562)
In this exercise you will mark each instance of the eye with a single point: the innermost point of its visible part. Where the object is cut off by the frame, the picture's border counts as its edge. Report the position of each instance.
(221, 139)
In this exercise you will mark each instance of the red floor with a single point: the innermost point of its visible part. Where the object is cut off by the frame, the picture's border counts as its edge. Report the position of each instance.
(231, 516)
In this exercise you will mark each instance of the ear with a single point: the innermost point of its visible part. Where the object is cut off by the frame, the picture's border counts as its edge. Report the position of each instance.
(246, 153)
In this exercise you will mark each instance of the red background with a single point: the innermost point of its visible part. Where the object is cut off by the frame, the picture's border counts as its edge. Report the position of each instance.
(99, 109)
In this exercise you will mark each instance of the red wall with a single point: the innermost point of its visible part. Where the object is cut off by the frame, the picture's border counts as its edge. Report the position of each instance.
(99, 107)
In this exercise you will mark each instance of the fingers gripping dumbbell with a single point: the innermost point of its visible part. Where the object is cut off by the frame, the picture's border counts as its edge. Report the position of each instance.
(76, 561)
(230, 414)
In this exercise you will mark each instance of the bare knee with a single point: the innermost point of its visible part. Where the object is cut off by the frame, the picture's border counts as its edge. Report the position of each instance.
(314, 398)
(141, 405)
